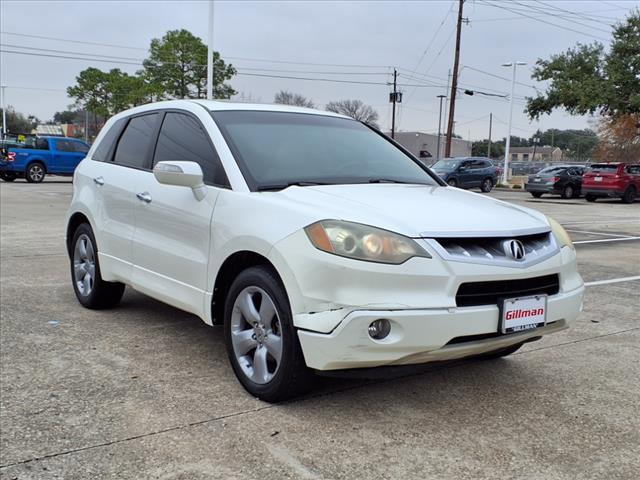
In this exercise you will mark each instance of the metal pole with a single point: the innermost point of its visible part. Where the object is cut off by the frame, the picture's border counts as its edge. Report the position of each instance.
(395, 97)
(86, 125)
(210, 54)
(490, 124)
(4, 112)
(454, 83)
(441, 97)
(505, 177)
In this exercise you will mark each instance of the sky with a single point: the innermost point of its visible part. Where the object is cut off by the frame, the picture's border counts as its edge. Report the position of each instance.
(356, 44)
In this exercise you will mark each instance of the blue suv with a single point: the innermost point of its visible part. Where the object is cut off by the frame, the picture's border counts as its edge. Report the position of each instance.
(39, 156)
(467, 172)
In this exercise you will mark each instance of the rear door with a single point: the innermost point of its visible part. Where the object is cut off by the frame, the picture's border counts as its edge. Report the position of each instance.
(634, 172)
(173, 228)
(118, 181)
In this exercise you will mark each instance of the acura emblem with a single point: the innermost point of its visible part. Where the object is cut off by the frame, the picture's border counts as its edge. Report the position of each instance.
(514, 249)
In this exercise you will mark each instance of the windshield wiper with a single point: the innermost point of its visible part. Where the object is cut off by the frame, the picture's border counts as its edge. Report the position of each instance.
(282, 186)
(389, 180)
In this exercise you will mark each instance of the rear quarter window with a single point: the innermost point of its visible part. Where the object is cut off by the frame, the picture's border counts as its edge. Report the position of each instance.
(104, 150)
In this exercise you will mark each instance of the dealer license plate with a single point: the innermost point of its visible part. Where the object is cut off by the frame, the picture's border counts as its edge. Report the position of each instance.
(597, 179)
(526, 313)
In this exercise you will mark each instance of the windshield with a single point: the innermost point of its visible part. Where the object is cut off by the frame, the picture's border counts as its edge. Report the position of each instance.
(276, 149)
(446, 165)
(550, 170)
(604, 167)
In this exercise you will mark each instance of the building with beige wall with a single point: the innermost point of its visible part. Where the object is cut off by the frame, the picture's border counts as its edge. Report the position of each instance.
(542, 154)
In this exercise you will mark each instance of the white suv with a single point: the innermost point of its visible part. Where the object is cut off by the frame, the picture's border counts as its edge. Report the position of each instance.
(316, 241)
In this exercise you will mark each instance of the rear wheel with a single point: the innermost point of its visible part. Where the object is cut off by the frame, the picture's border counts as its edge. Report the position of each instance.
(590, 198)
(8, 176)
(487, 185)
(261, 341)
(536, 194)
(35, 172)
(629, 195)
(91, 291)
(568, 191)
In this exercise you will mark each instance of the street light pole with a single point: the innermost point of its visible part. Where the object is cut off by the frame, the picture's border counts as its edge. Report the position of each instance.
(4, 112)
(441, 97)
(210, 54)
(505, 177)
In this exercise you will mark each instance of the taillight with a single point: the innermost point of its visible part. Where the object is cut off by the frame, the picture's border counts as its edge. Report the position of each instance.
(554, 179)
(11, 156)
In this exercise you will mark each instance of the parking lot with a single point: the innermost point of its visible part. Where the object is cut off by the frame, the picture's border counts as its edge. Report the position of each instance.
(146, 391)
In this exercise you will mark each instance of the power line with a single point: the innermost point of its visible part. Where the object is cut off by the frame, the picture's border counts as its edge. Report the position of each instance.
(84, 42)
(556, 15)
(586, 16)
(518, 12)
(498, 76)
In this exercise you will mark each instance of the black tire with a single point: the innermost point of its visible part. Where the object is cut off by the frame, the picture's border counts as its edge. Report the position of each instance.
(35, 172)
(292, 377)
(536, 194)
(503, 352)
(629, 195)
(452, 182)
(102, 294)
(487, 185)
(590, 198)
(568, 191)
(8, 176)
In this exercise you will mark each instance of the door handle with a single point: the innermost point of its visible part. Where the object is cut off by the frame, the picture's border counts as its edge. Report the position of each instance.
(98, 181)
(144, 196)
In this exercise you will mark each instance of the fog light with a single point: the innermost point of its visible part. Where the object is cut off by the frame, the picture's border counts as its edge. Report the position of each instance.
(379, 329)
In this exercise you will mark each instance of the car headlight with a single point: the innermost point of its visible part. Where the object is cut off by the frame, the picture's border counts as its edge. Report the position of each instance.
(561, 235)
(362, 242)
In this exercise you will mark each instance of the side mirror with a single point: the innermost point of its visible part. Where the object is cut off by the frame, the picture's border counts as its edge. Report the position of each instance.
(181, 174)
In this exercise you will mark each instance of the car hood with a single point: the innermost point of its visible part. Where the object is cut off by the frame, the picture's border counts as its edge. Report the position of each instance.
(418, 211)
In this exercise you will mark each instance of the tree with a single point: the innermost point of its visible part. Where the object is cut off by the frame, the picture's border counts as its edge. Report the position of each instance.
(619, 139)
(66, 116)
(480, 148)
(177, 68)
(355, 109)
(18, 123)
(587, 79)
(287, 98)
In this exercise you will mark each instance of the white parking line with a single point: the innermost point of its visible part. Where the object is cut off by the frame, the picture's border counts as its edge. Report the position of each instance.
(603, 240)
(612, 280)
(598, 233)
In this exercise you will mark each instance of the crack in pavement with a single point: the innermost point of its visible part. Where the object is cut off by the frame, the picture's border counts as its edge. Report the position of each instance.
(301, 399)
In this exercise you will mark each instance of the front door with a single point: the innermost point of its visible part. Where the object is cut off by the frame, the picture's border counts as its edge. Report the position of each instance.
(173, 228)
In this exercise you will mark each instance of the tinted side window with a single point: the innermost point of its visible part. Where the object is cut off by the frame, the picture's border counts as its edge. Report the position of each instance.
(183, 138)
(80, 147)
(42, 144)
(133, 147)
(65, 146)
(104, 149)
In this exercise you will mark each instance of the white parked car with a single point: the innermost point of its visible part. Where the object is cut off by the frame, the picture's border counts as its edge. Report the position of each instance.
(316, 241)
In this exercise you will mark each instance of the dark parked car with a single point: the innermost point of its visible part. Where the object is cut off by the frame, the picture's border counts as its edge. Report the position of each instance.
(612, 180)
(564, 180)
(467, 172)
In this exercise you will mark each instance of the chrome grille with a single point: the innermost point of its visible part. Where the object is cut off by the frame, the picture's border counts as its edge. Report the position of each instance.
(537, 247)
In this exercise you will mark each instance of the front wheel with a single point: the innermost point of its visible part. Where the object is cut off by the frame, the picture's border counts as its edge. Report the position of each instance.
(90, 289)
(629, 195)
(452, 182)
(8, 176)
(261, 341)
(35, 172)
(487, 185)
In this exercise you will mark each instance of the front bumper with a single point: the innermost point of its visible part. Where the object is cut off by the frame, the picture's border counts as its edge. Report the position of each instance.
(602, 192)
(420, 336)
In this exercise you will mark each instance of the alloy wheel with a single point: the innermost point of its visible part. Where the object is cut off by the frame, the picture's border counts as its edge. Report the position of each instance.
(36, 173)
(256, 335)
(84, 265)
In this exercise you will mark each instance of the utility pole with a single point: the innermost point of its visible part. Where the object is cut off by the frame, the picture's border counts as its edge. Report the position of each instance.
(441, 97)
(513, 64)
(454, 83)
(210, 54)
(535, 147)
(394, 97)
(86, 125)
(490, 124)
(4, 111)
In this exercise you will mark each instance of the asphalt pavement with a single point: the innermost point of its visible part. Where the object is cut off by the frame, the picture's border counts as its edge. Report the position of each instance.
(145, 390)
